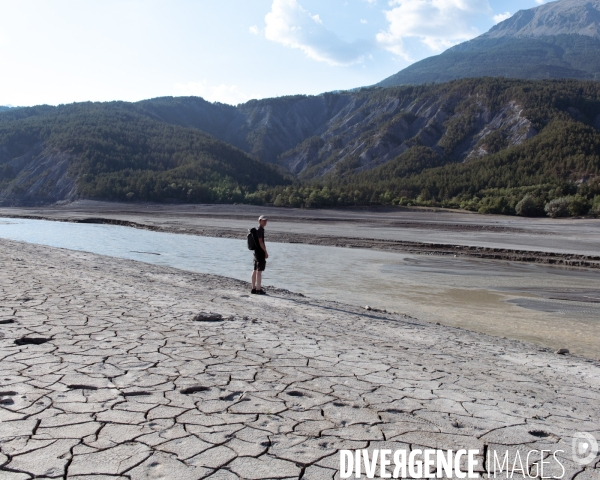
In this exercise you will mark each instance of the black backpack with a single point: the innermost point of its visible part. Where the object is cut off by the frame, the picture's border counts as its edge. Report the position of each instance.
(252, 243)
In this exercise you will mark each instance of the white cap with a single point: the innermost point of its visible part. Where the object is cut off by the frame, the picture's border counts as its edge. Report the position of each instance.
(262, 217)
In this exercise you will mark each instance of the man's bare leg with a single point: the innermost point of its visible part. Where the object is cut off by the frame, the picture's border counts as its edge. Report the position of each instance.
(258, 280)
(254, 275)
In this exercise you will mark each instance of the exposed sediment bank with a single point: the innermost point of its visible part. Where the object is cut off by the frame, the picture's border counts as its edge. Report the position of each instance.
(459, 231)
(109, 367)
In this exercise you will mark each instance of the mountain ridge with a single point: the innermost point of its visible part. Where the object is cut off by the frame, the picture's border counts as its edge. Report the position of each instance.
(556, 40)
(356, 131)
(571, 17)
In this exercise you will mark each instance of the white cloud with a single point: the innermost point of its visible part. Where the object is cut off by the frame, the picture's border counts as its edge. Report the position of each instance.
(289, 24)
(371, 2)
(363, 21)
(213, 93)
(439, 24)
(501, 17)
(254, 30)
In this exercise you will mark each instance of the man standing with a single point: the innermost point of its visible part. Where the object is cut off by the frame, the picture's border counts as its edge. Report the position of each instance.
(260, 257)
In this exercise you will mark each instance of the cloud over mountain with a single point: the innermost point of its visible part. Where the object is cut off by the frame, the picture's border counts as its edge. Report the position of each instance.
(439, 24)
(501, 17)
(291, 25)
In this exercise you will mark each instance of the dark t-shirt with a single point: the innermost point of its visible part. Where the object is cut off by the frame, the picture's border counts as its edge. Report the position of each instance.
(260, 235)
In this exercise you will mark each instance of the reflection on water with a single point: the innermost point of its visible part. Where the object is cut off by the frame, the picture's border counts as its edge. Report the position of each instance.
(553, 306)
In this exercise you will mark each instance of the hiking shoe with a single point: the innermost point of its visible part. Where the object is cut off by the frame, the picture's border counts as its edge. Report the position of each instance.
(261, 292)
(254, 291)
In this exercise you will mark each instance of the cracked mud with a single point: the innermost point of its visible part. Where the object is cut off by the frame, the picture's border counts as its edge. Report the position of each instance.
(133, 382)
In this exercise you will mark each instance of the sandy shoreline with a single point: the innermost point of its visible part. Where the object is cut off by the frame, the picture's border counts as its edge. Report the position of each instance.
(461, 234)
(278, 387)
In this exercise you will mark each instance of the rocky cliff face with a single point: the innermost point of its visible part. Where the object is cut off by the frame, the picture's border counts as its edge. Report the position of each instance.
(362, 138)
(352, 132)
(39, 176)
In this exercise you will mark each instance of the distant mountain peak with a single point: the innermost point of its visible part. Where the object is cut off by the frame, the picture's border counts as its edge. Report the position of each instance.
(564, 17)
(557, 40)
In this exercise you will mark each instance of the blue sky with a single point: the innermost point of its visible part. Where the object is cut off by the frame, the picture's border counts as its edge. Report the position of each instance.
(63, 51)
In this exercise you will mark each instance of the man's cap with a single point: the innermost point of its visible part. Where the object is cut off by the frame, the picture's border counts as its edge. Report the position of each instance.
(262, 217)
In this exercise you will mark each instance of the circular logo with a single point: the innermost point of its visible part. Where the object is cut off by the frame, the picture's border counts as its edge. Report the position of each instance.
(585, 448)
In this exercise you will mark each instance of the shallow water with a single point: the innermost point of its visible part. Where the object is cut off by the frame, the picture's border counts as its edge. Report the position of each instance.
(552, 306)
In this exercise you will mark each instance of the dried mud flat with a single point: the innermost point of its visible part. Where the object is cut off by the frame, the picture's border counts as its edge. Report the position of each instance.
(113, 369)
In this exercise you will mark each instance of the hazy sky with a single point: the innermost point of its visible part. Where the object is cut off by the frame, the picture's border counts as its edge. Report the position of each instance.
(62, 51)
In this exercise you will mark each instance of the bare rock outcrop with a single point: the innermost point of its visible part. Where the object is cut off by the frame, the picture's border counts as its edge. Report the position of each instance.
(40, 176)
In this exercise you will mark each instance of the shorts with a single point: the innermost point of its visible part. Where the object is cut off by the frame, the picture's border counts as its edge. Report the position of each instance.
(260, 263)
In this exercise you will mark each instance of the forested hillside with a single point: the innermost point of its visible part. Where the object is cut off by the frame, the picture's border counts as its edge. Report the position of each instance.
(538, 141)
(112, 151)
(482, 144)
(264, 128)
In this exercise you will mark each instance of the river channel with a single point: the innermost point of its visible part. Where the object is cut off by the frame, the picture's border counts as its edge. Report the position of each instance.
(551, 306)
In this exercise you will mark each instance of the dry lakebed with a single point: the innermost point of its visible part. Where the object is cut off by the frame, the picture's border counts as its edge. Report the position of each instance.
(112, 368)
(116, 369)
